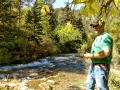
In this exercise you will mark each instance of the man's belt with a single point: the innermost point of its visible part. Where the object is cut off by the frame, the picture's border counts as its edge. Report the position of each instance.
(101, 64)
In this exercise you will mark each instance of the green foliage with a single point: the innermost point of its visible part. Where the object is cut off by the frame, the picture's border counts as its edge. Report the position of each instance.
(67, 34)
(68, 38)
(46, 28)
(114, 81)
(26, 34)
(101, 7)
(64, 15)
(114, 31)
(5, 56)
(85, 47)
(117, 47)
(33, 24)
(48, 46)
(9, 45)
(22, 44)
(39, 24)
(53, 22)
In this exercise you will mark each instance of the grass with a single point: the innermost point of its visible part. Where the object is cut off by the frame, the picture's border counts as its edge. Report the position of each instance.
(114, 81)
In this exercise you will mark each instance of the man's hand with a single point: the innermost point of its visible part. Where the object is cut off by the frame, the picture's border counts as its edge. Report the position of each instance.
(102, 54)
(88, 55)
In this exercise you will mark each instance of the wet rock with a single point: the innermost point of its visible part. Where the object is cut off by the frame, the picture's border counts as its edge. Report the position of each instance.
(2, 76)
(43, 79)
(24, 88)
(44, 86)
(50, 82)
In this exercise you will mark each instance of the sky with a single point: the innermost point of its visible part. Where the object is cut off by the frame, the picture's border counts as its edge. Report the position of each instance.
(61, 3)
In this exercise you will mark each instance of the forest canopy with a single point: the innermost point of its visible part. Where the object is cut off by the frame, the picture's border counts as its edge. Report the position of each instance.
(33, 29)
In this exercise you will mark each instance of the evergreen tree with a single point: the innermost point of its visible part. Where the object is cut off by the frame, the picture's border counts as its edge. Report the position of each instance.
(33, 18)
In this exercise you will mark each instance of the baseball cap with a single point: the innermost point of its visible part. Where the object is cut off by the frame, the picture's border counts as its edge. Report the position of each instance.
(97, 22)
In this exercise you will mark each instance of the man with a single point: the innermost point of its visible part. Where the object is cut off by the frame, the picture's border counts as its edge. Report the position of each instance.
(100, 55)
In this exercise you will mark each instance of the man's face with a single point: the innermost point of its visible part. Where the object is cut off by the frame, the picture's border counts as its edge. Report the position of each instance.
(98, 29)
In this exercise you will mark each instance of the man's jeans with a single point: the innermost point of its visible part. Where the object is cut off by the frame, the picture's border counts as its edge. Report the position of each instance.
(99, 75)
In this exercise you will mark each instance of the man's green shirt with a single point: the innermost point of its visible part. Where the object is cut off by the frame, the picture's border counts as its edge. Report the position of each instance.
(102, 42)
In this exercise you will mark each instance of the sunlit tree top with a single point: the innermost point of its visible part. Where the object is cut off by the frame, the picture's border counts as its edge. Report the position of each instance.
(102, 8)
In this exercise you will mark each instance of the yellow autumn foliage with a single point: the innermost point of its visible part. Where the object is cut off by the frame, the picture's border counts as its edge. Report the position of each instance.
(45, 9)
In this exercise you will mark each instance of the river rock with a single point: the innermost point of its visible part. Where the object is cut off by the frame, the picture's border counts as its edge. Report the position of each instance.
(44, 86)
(50, 82)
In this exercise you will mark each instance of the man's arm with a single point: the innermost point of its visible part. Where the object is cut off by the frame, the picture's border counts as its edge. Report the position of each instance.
(102, 54)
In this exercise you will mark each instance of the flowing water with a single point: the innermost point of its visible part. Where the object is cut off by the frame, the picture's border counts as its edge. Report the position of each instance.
(32, 70)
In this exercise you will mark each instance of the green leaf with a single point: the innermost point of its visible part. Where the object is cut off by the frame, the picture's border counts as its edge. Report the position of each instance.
(95, 6)
(113, 11)
(85, 11)
(92, 11)
(82, 0)
(78, 1)
(39, 0)
(116, 1)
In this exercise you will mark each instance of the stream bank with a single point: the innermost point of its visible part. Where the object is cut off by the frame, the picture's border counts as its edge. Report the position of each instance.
(61, 69)
(59, 72)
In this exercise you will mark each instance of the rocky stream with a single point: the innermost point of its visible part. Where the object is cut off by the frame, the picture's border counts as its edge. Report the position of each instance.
(44, 70)
(58, 72)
